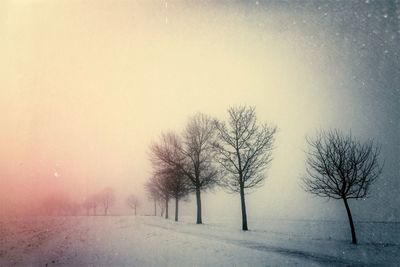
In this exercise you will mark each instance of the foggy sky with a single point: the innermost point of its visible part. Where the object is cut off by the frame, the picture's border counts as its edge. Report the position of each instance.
(86, 86)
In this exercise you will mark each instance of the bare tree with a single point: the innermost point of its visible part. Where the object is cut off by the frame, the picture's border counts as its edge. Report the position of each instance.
(159, 183)
(191, 156)
(177, 185)
(199, 168)
(133, 202)
(153, 195)
(169, 163)
(340, 167)
(243, 150)
(179, 189)
(162, 208)
(60, 204)
(166, 157)
(106, 199)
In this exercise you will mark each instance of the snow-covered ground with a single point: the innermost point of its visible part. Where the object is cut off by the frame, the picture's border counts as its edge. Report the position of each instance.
(154, 241)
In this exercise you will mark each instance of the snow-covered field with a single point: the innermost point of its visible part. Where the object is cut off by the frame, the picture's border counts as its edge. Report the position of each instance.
(154, 241)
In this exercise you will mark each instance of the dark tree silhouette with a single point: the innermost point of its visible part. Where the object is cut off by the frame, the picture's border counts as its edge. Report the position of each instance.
(174, 178)
(340, 167)
(199, 168)
(159, 184)
(191, 157)
(243, 150)
(177, 185)
(133, 202)
(167, 159)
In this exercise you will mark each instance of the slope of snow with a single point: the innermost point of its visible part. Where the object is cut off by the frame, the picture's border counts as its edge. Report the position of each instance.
(153, 241)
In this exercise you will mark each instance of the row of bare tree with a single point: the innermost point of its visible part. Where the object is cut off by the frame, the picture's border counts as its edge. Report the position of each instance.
(236, 154)
(103, 199)
(60, 204)
(209, 152)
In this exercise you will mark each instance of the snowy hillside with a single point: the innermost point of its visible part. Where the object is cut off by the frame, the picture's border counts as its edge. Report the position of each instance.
(154, 241)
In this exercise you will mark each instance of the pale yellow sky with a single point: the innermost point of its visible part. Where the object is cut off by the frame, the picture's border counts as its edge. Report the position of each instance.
(87, 85)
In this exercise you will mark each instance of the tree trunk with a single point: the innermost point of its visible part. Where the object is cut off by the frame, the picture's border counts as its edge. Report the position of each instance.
(135, 210)
(105, 211)
(353, 231)
(198, 201)
(244, 213)
(176, 208)
(166, 209)
(155, 208)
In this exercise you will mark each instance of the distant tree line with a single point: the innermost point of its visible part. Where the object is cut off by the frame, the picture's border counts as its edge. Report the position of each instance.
(60, 204)
(235, 155)
(98, 203)
(95, 204)
(102, 200)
